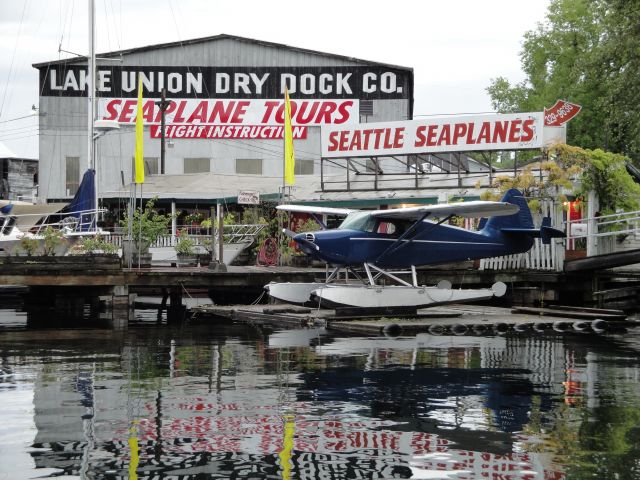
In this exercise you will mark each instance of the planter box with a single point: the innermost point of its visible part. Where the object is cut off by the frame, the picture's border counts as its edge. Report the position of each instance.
(87, 264)
(187, 260)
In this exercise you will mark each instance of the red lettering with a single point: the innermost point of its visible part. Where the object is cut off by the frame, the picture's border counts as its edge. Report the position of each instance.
(170, 109)
(500, 132)
(377, 132)
(514, 131)
(324, 115)
(367, 136)
(199, 113)
(527, 128)
(398, 139)
(221, 110)
(431, 135)
(270, 107)
(485, 133)
(420, 138)
(445, 135)
(387, 138)
(459, 129)
(112, 112)
(344, 112)
(240, 110)
(127, 111)
(344, 140)
(178, 117)
(300, 118)
(470, 140)
(148, 110)
(356, 141)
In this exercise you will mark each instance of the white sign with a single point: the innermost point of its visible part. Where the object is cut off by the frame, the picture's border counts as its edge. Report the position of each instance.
(232, 111)
(432, 135)
(249, 197)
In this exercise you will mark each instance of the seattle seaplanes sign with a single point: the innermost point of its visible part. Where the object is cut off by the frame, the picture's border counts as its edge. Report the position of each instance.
(437, 134)
(261, 119)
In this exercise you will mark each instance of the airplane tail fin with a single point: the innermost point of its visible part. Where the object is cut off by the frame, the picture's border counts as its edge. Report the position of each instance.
(521, 223)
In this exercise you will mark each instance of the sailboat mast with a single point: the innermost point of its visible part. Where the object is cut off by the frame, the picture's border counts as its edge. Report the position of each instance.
(91, 71)
(91, 93)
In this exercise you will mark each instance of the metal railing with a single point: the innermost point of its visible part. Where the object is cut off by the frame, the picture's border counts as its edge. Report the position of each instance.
(231, 234)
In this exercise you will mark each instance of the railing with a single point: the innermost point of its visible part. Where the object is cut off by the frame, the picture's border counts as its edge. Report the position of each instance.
(231, 234)
(37, 223)
(540, 257)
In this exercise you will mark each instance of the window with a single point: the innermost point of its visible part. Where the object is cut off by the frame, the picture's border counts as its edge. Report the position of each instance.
(249, 166)
(72, 175)
(151, 166)
(197, 165)
(304, 167)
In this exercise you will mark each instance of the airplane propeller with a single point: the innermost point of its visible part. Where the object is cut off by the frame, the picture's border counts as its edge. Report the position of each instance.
(292, 235)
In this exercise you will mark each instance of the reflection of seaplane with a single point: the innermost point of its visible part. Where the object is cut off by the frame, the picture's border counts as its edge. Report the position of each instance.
(405, 238)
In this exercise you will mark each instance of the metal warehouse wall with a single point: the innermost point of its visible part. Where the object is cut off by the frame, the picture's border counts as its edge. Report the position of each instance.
(63, 119)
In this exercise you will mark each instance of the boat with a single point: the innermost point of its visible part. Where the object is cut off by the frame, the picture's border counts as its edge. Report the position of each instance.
(76, 220)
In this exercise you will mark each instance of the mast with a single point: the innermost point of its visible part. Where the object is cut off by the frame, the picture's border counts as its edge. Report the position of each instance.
(91, 92)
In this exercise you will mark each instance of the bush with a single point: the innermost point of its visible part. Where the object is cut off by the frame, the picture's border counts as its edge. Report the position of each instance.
(185, 244)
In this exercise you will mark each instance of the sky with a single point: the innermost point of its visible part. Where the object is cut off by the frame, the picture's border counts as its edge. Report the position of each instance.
(456, 47)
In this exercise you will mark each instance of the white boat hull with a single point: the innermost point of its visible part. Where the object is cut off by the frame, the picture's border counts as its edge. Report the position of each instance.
(364, 296)
(297, 293)
(395, 296)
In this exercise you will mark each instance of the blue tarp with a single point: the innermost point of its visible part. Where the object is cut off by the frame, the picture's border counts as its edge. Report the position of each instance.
(84, 201)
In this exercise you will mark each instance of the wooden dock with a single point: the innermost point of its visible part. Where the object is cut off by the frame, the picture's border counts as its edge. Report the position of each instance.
(456, 319)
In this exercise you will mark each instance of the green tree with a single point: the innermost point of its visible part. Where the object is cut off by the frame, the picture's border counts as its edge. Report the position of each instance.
(587, 52)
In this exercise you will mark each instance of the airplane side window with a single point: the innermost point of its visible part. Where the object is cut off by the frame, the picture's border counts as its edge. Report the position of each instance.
(386, 228)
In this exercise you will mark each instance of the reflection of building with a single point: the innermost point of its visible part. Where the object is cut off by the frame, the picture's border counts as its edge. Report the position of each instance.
(385, 407)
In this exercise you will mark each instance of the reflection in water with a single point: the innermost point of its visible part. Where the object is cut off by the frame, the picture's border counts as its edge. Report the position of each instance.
(236, 402)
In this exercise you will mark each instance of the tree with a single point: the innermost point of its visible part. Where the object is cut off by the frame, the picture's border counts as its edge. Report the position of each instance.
(586, 51)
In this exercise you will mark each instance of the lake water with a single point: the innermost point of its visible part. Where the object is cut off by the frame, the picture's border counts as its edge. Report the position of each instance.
(205, 401)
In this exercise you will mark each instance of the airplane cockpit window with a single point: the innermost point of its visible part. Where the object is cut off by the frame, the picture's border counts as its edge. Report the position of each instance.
(361, 221)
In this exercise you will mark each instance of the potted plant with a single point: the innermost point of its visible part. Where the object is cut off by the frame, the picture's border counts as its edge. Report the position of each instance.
(145, 226)
(185, 250)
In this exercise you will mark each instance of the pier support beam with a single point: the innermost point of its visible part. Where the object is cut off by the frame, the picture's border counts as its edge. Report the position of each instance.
(176, 311)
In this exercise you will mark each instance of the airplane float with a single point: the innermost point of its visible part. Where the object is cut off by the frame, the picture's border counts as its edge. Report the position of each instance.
(370, 244)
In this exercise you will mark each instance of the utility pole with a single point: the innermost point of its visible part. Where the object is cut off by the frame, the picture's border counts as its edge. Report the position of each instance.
(162, 104)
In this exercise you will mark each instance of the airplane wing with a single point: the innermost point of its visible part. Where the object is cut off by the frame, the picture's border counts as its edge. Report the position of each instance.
(341, 212)
(462, 209)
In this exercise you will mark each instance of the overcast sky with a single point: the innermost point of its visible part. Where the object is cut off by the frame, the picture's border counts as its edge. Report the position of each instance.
(454, 46)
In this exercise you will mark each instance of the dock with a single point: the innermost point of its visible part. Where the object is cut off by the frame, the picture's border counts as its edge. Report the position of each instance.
(69, 284)
(454, 319)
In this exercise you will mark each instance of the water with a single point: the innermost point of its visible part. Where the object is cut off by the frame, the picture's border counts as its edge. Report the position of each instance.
(200, 402)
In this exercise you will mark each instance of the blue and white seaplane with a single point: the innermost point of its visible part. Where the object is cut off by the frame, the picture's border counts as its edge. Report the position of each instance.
(372, 245)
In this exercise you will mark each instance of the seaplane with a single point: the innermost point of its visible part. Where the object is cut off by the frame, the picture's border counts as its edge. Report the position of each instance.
(377, 246)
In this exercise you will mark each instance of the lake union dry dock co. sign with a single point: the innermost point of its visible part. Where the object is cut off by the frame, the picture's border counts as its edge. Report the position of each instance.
(232, 102)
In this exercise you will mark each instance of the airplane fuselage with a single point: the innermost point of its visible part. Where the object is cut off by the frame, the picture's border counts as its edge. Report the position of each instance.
(427, 243)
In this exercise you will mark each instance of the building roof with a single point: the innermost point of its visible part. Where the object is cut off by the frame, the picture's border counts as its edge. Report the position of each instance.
(222, 36)
(6, 152)
(211, 188)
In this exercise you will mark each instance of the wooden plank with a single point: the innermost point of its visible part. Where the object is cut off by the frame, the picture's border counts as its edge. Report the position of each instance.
(586, 309)
(567, 313)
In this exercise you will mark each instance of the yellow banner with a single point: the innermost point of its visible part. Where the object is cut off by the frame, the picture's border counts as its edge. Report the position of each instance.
(289, 157)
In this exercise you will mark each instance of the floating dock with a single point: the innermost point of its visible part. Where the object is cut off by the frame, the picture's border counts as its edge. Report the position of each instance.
(456, 319)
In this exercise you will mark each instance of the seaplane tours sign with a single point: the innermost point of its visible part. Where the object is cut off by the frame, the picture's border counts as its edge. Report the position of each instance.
(432, 135)
(231, 102)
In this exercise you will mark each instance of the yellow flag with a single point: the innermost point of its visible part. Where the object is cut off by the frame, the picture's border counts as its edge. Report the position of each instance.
(139, 137)
(289, 157)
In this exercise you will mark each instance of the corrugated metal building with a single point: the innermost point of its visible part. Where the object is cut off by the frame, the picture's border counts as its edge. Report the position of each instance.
(18, 176)
(225, 94)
